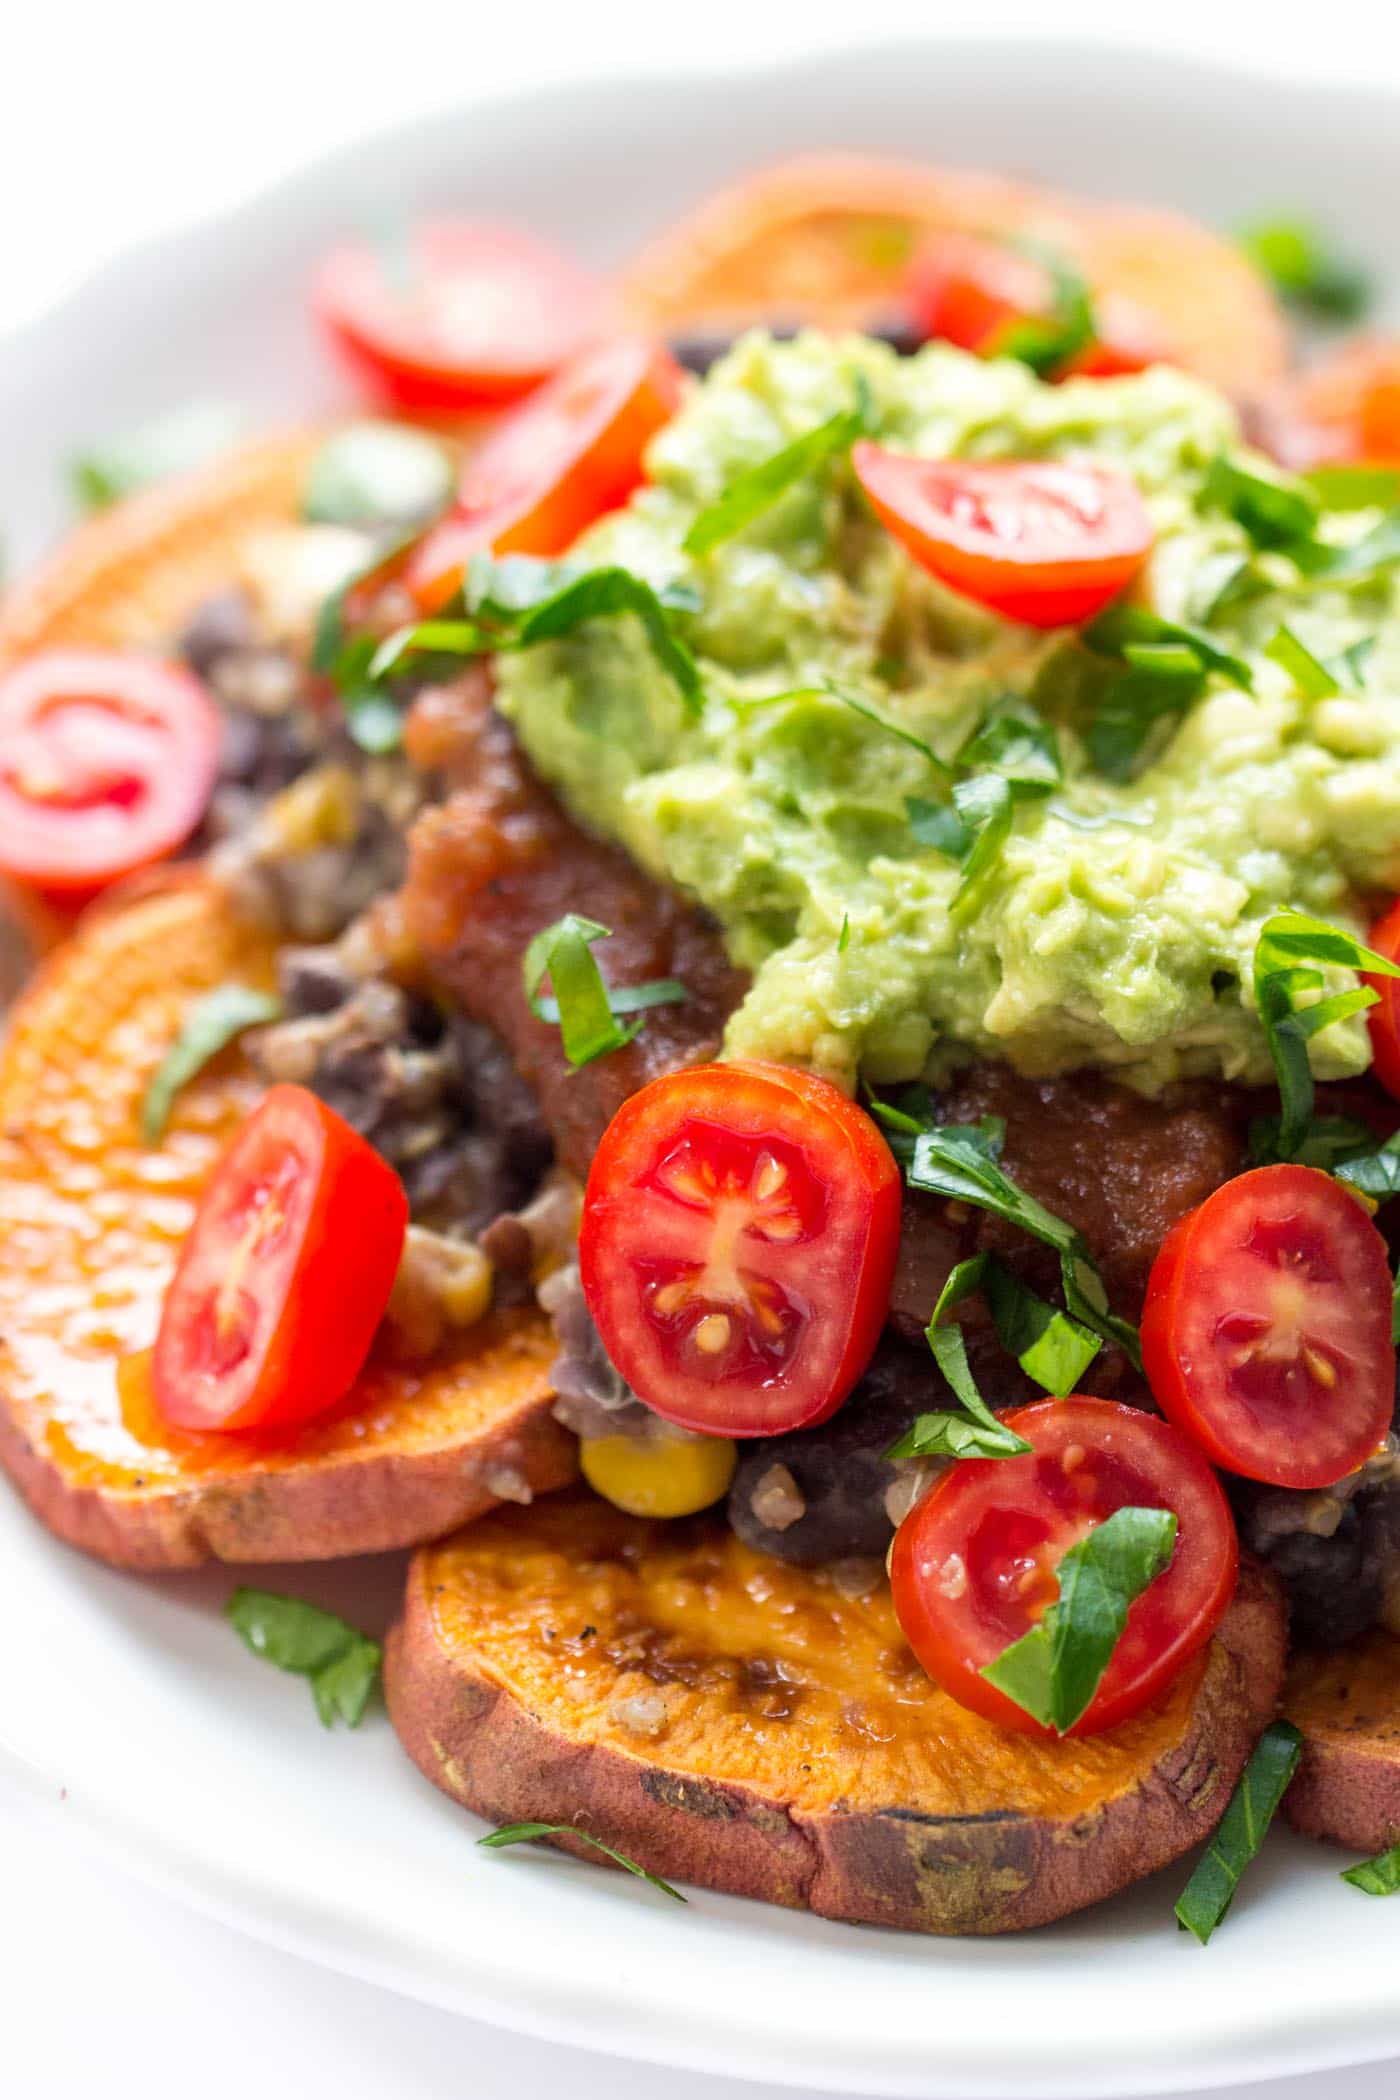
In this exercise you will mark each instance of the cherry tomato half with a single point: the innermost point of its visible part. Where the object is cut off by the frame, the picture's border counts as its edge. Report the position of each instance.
(1383, 1019)
(1266, 1332)
(107, 763)
(566, 457)
(966, 289)
(1045, 542)
(459, 315)
(738, 1245)
(975, 1564)
(285, 1274)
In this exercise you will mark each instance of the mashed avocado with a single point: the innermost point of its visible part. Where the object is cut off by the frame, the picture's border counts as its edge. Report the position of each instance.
(1118, 924)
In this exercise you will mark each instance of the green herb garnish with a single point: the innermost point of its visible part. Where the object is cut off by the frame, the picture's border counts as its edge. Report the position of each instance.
(1289, 960)
(1274, 511)
(1048, 342)
(583, 1007)
(961, 1161)
(1355, 488)
(210, 1025)
(1297, 259)
(341, 1663)
(1053, 1671)
(1050, 1347)
(376, 474)
(1165, 667)
(188, 438)
(1309, 674)
(525, 1833)
(750, 494)
(1211, 1890)
(518, 601)
(1379, 1876)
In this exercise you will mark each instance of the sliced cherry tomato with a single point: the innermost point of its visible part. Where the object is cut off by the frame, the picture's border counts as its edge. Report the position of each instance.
(739, 1234)
(1042, 541)
(1342, 411)
(969, 290)
(1266, 1332)
(975, 1564)
(459, 315)
(1383, 1019)
(285, 1274)
(566, 457)
(107, 763)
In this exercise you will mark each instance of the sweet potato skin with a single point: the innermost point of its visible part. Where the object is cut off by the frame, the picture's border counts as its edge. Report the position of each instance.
(1347, 1703)
(94, 1218)
(988, 1870)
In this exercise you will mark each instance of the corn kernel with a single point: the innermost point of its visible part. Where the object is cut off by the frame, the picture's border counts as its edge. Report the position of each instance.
(320, 809)
(656, 1476)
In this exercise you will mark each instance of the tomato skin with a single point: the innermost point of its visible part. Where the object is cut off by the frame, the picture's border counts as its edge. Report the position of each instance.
(1281, 1251)
(971, 1565)
(669, 1245)
(303, 1223)
(1044, 542)
(965, 289)
(107, 763)
(469, 315)
(1383, 1019)
(567, 456)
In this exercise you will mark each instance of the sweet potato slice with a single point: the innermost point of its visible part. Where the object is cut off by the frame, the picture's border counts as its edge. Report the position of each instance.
(734, 1722)
(1347, 1703)
(826, 238)
(93, 1220)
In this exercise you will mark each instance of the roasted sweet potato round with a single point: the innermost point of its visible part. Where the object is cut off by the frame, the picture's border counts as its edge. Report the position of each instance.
(93, 1220)
(1347, 1703)
(731, 1721)
(826, 238)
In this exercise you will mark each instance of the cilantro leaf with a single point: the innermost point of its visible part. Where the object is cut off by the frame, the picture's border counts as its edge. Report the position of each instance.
(173, 444)
(1309, 674)
(1354, 488)
(583, 1007)
(1295, 256)
(209, 1026)
(1251, 1808)
(1166, 665)
(1054, 1670)
(962, 1162)
(1048, 342)
(518, 601)
(525, 1833)
(341, 1663)
(937, 825)
(1376, 1171)
(1275, 511)
(752, 493)
(1379, 1876)
(1288, 960)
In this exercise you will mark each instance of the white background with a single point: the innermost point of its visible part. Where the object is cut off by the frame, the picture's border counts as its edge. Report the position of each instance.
(119, 120)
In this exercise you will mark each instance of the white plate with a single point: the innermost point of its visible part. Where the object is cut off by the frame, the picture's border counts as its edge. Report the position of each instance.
(130, 1699)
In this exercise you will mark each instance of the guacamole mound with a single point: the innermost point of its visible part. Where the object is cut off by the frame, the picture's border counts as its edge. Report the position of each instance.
(1118, 924)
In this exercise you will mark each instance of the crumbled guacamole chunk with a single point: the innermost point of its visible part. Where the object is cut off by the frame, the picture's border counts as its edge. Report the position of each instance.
(1118, 925)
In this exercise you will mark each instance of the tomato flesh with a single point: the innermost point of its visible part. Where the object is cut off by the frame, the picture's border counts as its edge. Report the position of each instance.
(974, 1566)
(1266, 1332)
(285, 1273)
(567, 456)
(1383, 1019)
(739, 1234)
(107, 763)
(1045, 542)
(456, 315)
(971, 291)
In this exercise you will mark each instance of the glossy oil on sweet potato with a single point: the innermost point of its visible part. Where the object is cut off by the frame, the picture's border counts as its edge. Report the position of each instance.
(1347, 1703)
(730, 1721)
(93, 1222)
(825, 239)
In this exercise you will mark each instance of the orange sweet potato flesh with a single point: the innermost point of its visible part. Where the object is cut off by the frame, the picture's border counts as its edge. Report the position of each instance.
(738, 1723)
(1347, 1703)
(826, 238)
(93, 1221)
